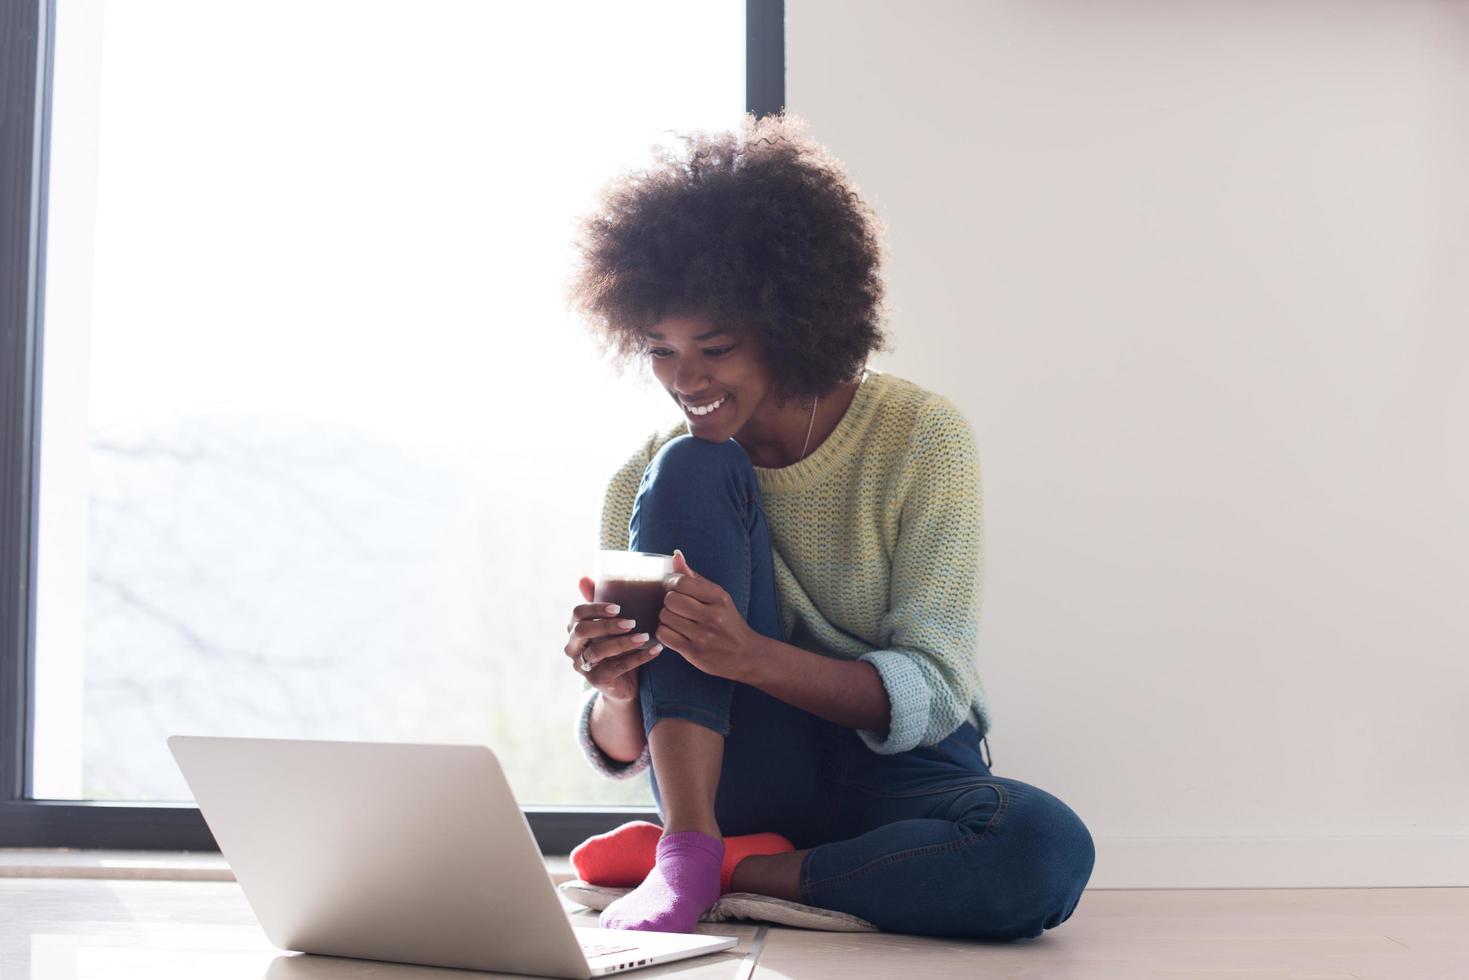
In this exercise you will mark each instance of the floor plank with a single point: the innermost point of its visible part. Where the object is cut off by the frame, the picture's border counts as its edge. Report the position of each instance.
(73, 928)
(1259, 934)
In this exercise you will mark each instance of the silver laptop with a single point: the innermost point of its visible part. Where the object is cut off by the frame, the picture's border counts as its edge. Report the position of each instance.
(409, 853)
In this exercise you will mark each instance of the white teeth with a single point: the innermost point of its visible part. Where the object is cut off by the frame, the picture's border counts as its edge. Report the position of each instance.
(705, 410)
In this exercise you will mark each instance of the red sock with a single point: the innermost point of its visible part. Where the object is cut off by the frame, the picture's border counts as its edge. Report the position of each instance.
(736, 849)
(622, 857)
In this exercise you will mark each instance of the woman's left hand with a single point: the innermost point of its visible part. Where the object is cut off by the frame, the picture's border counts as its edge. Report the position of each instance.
(699, 621)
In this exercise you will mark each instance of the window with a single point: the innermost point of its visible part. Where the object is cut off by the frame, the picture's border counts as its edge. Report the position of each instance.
(319, 451)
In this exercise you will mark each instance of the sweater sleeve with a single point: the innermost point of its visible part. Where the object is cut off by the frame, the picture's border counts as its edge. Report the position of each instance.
(617, 501)
(930, 632)
(598, 759)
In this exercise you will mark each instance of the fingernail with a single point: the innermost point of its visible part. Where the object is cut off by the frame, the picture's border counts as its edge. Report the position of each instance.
(640, 637)
(613, 609)
(627, 624)
(655, 649)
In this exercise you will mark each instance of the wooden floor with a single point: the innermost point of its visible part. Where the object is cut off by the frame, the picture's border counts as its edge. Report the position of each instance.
(73, 928)
(1368, 934)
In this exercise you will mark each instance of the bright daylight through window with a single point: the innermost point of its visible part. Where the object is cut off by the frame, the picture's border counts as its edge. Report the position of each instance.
(322, 451)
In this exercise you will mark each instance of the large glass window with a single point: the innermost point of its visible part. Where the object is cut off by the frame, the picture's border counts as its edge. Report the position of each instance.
(322, 451)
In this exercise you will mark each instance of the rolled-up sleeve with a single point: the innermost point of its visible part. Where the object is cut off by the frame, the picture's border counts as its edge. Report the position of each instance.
(930, 632)
(600, 760)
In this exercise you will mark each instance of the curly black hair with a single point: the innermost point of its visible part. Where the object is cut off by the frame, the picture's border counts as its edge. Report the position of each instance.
(758, 230)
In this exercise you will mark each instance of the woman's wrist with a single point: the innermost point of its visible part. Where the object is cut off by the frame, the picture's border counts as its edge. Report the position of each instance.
(616, 727)
(761, 662)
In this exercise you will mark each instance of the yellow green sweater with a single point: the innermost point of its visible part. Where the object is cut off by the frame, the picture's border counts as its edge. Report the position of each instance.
(877, 538)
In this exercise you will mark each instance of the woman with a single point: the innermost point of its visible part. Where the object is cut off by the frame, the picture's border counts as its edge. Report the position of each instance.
(809, 709)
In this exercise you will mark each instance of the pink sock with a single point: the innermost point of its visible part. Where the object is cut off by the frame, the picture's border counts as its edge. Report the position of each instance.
(682, 886)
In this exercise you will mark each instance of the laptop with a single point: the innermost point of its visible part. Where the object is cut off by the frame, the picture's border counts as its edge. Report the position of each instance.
(407, 853)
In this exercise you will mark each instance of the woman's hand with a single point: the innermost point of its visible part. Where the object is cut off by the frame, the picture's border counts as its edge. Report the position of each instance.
(700, 621)
(608, 645)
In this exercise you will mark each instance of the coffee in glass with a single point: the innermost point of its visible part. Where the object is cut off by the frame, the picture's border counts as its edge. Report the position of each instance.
(634, 580)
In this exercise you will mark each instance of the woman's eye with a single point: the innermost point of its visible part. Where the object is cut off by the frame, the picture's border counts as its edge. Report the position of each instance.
(719, 351)
(657, 352)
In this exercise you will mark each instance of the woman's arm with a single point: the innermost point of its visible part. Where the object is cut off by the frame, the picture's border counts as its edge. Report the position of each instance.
(701, 623)
(617, 728)
(846, 692)
(611, 734)
(928, 635)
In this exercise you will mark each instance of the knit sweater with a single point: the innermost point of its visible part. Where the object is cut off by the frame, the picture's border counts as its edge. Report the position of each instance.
(877, 541)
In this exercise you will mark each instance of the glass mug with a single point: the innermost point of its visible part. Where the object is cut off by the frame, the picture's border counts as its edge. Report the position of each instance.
(634, 580)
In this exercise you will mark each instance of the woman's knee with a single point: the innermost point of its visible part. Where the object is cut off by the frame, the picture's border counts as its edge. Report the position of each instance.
(693, 483)
(1055, 852)
(1049, 856)
(687, 463)
(1069, 856)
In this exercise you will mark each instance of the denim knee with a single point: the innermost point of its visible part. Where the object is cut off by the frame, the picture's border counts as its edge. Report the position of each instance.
(1061, 856)
(691, 456)
(1032, 842)
(688, 471)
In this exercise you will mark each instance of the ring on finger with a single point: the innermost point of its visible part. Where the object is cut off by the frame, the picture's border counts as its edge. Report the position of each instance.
(582, 663)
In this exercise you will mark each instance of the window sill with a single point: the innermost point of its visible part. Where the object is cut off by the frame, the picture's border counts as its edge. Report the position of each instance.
(45, 862)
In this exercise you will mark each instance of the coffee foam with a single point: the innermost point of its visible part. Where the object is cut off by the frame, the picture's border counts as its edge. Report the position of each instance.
(633, 566)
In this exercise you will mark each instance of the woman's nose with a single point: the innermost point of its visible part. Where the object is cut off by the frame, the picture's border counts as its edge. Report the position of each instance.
(690, 379)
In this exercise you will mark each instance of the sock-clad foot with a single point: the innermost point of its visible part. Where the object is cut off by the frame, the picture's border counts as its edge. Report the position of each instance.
(620, 858)
(682, 886)
(623, 857)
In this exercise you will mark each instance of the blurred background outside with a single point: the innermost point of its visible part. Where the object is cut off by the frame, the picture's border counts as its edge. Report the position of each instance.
(322, 450)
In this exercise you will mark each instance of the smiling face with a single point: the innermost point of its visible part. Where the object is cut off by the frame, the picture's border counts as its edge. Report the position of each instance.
(718, 378)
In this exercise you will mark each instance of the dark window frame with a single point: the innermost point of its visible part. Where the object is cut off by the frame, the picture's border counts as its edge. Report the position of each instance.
(26, 57)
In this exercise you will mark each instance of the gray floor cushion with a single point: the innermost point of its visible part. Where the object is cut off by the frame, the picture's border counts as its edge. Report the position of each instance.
(736, 905)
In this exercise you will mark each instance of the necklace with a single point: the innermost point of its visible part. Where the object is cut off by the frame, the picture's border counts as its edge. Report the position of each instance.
(809, 425)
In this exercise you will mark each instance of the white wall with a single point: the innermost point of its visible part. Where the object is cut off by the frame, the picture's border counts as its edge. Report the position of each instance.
(1199, 276)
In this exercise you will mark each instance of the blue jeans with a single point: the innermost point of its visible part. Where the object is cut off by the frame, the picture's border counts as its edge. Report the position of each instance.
(926, 842)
